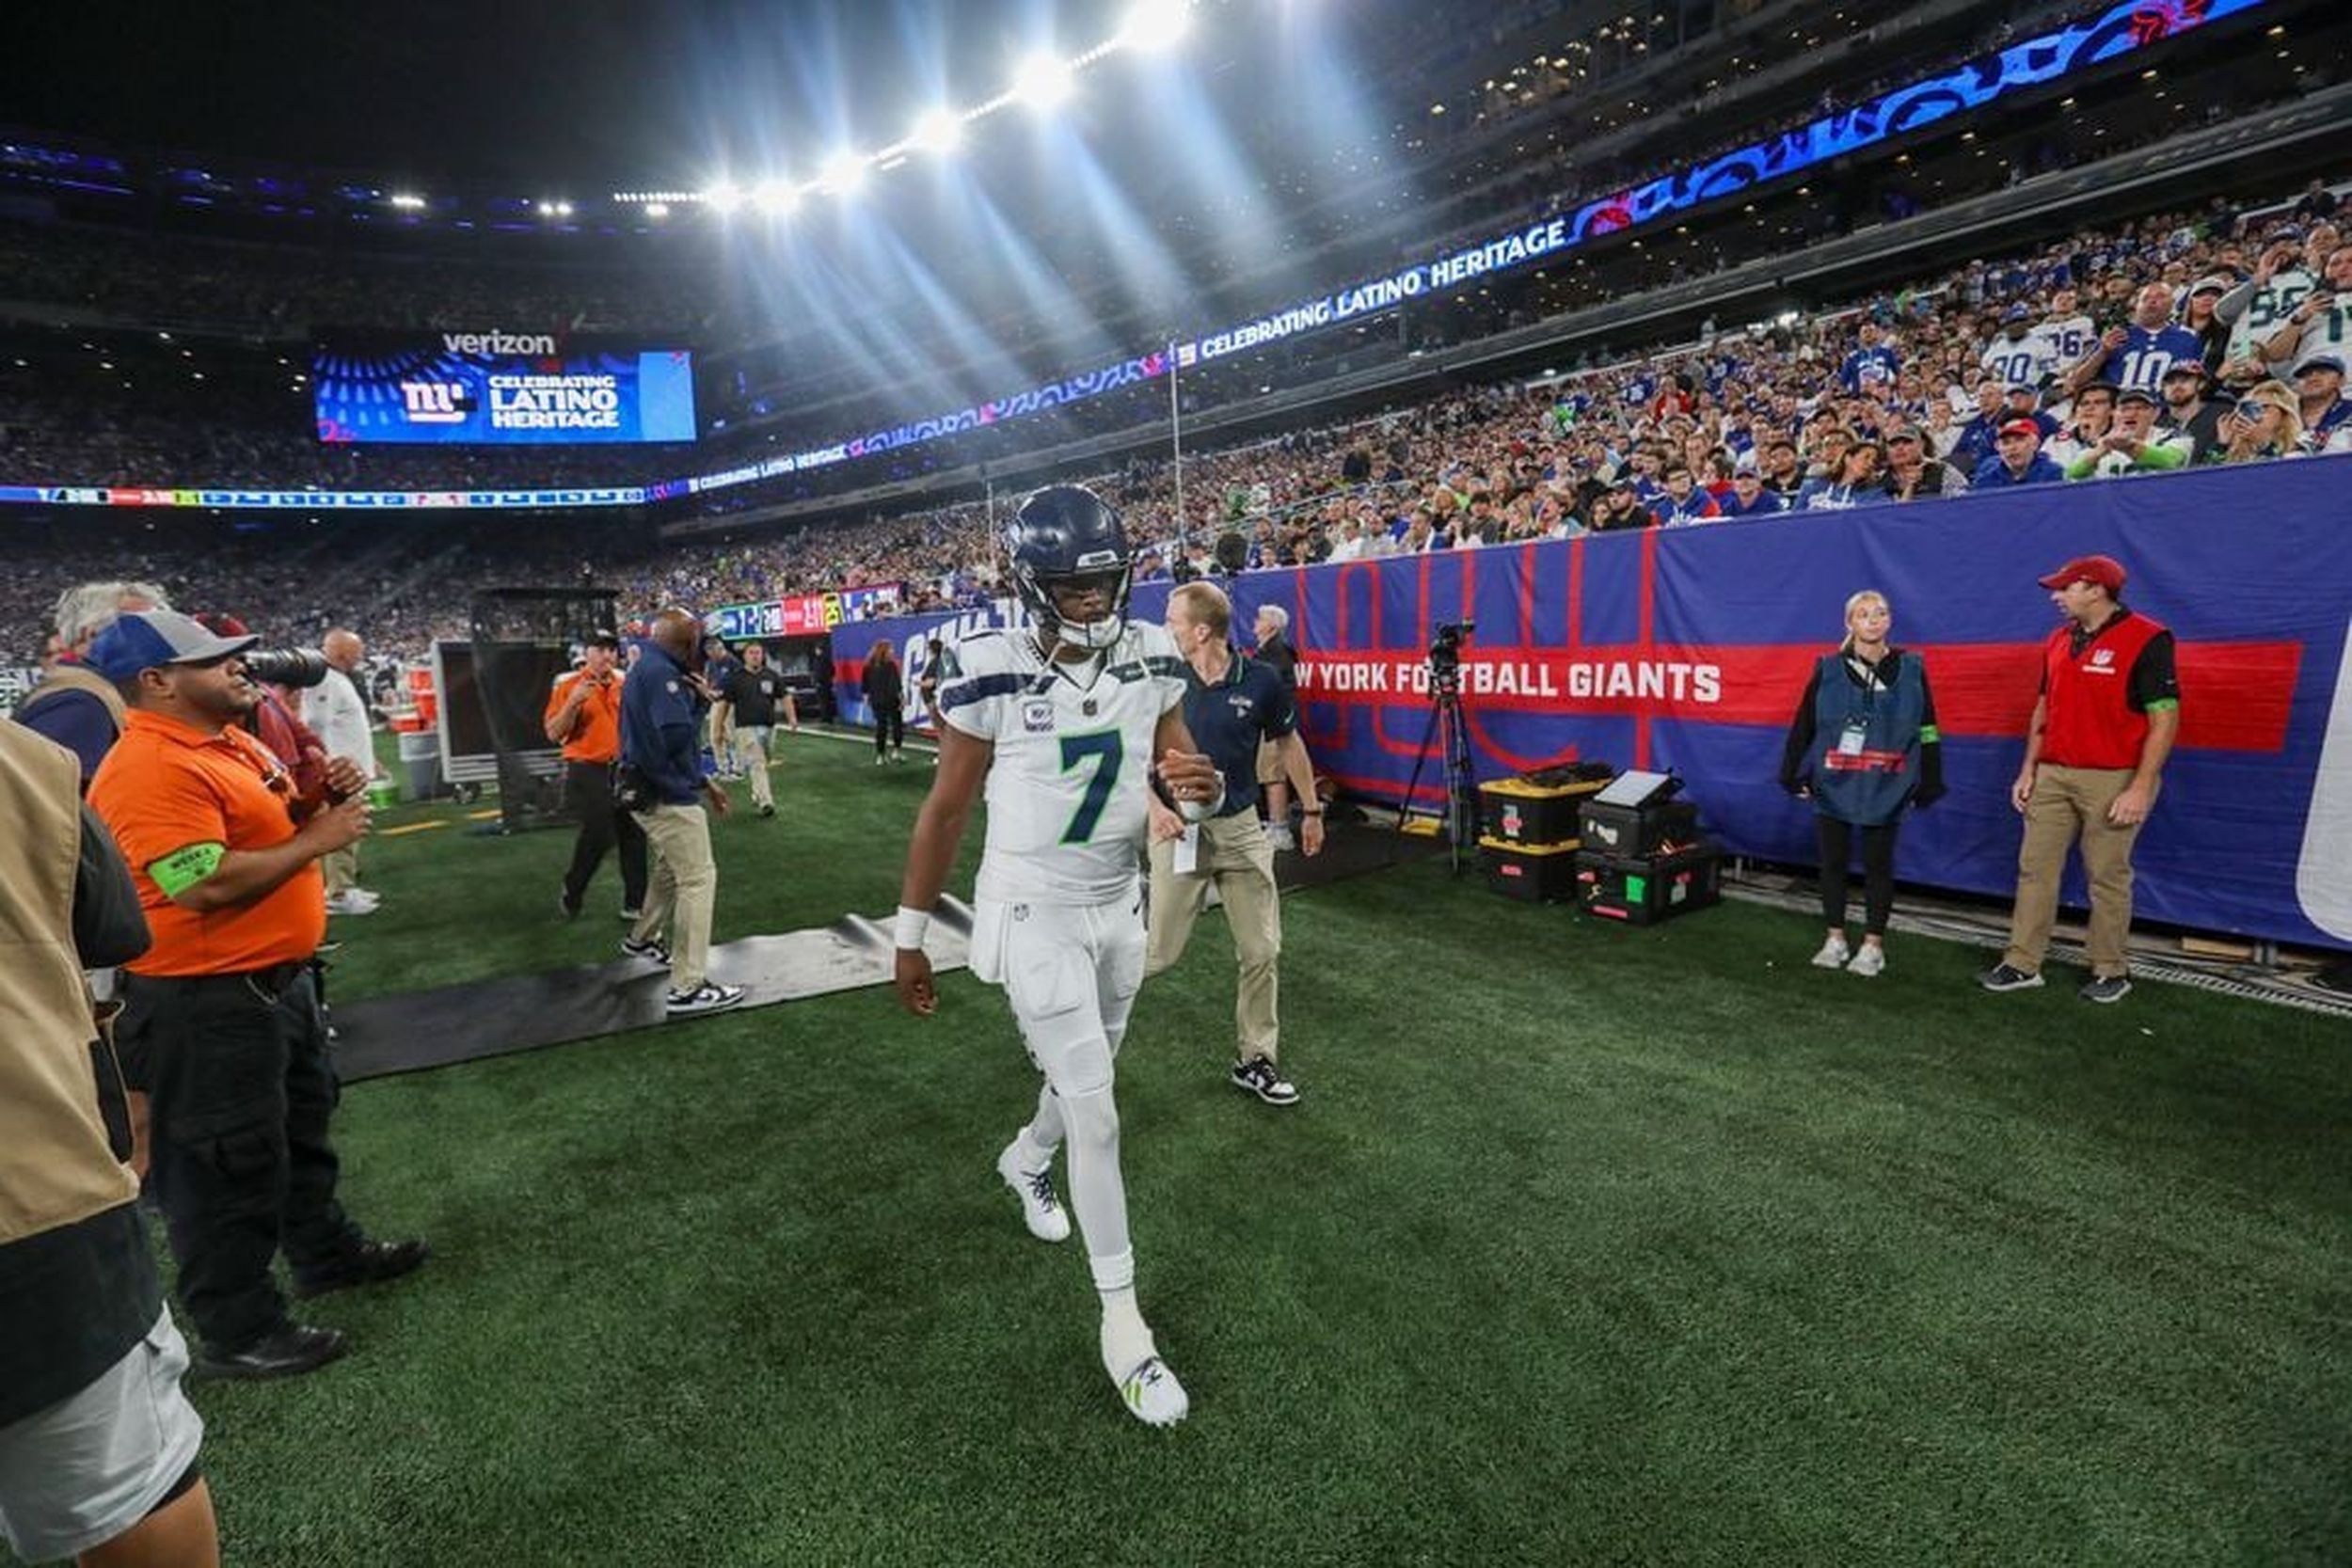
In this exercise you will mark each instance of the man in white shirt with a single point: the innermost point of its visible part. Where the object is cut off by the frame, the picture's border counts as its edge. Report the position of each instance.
(338, 714)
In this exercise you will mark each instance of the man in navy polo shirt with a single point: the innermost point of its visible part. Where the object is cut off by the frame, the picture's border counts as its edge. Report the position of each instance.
(663, 703)
(1231, 703)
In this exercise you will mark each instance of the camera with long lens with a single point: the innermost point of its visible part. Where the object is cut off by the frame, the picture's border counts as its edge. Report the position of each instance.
(300, 668)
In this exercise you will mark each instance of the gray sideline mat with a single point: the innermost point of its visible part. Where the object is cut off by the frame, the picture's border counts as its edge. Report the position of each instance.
(384, 1035)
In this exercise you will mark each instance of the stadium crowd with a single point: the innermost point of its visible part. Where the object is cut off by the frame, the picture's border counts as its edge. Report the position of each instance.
(2183, 339)
(284, 290)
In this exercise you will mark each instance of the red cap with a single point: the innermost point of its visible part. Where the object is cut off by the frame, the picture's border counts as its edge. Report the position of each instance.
(2023, 427)
(223, 623)
(2104, 570)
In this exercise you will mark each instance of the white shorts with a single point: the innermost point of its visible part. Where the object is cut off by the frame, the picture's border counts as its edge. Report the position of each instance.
(78, 1474)
(1071, 972)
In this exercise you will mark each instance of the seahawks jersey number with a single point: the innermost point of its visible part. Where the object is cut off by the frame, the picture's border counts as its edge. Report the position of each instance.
(1104, 751)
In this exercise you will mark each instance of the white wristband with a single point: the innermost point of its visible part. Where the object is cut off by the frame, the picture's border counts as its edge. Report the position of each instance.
(911, 926)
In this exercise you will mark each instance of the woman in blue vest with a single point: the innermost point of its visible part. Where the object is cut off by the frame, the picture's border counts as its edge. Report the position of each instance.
(1862, 747)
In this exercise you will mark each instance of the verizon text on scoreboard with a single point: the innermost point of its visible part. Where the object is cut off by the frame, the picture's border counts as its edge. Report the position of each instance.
(498, 389)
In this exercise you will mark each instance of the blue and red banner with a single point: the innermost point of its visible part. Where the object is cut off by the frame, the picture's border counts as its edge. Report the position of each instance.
(1687, 649)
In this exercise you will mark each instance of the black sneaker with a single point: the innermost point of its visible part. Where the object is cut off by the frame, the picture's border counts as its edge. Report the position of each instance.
(705, 998)
(2106, 988)
(651, 950)
(1257, 1076)
(2003, 977)
(288, 1350)
(371, 1264)
(566, 901)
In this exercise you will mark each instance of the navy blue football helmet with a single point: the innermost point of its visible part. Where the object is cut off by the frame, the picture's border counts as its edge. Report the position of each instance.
(1067, 536)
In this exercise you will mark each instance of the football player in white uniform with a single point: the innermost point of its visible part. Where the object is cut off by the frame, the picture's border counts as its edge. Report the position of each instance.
(1068, 721)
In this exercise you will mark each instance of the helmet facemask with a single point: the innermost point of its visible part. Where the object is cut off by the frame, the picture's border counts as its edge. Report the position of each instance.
(1036, 594)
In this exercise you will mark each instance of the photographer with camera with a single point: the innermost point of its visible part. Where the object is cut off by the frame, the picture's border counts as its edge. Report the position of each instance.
(221, 1025)
(583, 717)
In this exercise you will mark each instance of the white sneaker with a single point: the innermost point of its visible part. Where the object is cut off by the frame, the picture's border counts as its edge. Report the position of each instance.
(1869, 961)
(705, 998)
(1153, 1395)
(351, 903)
(1832, 955)
(1047, 1220)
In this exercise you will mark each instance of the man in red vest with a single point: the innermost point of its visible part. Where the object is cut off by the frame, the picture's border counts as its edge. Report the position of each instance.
(2110, 709)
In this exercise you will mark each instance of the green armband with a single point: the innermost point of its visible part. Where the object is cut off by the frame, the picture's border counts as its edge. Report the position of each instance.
(1930, 735)
(2163, 704)
(184, 868)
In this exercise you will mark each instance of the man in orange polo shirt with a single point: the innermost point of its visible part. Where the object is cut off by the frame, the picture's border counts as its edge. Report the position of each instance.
(583, 716)
(220, 1023)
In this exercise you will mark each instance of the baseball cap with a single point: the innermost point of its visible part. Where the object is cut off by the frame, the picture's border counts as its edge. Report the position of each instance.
(2016, 313)
(2016, 386)
(149, 638)
(2104, 570)
(2136, 394)
(1906, 433)
(2215, 284)
(2021, 427)
(2184, 367)
(603, 637)
(2320, 362)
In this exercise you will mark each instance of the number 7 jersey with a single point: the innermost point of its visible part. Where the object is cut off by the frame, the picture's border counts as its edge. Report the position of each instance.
(1066, 792)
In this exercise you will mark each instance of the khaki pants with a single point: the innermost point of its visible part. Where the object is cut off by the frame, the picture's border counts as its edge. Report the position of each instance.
(1234, 854)
(749, 744)
(683, 892)
(342, 867)
(2070, 805)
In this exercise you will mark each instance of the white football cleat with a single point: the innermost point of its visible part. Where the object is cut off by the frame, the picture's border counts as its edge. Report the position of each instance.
(1153, 1395)
(1870, 960)
(1047, 1220)
(1832, 955)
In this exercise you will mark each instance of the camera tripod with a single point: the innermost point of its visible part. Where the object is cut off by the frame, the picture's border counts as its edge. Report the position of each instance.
(1447, 729)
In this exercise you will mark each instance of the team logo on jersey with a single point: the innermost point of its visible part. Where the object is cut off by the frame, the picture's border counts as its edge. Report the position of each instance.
(1036, 714)
(2101, 659)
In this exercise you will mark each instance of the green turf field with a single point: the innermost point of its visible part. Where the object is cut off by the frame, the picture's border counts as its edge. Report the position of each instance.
(1586, 1245)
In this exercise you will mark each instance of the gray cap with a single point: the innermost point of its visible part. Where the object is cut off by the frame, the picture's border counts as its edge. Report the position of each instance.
(151, 639)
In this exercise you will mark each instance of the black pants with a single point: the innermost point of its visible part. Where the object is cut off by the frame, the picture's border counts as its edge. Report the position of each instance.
(1878, 872)
(890, 728)
(588, 785)
(240, 1091)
